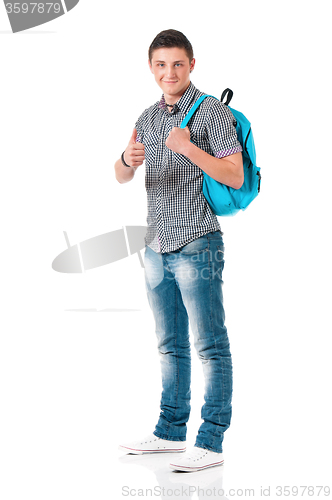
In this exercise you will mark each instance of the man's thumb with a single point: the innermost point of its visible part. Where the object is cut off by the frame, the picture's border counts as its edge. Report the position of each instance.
(134, 136)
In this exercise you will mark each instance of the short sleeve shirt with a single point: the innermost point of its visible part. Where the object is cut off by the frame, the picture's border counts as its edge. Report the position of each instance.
(178, 212)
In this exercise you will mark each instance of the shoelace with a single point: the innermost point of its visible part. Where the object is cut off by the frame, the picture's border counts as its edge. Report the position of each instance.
(149, 439)
(197, 455)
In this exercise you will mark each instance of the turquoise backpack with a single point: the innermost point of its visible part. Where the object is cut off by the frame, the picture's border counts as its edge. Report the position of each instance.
(222, 199)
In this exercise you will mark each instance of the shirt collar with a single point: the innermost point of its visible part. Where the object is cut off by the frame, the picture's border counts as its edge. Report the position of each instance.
(184, 101)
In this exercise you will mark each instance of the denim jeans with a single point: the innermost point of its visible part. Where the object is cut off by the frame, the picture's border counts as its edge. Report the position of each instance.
(186, 285)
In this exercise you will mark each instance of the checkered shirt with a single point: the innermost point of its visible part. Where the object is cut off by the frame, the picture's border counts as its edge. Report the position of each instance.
(178, 212)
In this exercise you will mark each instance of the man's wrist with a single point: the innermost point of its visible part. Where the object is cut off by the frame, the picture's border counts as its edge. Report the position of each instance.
(124, 162)
(189, 149)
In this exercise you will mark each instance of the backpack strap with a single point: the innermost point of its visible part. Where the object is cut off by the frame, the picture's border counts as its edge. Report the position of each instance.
(229, 96)
(227, 92)
(193, 109)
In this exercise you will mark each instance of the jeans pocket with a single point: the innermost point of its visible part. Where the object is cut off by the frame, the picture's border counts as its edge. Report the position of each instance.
(153, 268)
(220, 252)
(197, 246)
(219, 261)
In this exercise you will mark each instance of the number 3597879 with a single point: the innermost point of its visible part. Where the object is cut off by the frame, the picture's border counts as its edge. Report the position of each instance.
(33, 8)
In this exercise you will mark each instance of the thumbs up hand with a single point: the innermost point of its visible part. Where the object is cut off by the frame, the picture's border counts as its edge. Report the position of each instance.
(134, 154)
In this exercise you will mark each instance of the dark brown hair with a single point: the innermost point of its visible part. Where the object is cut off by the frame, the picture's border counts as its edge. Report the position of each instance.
(171, 38)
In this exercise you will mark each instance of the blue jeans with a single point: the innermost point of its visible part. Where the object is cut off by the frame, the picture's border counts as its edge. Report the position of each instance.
(184, 285)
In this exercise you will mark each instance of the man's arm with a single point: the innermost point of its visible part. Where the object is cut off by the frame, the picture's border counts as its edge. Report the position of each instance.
(228, 170)
(133, 156)
(123, 174)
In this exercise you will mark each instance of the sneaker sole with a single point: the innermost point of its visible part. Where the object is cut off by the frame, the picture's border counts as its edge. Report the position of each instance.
(143, 452)
(183, 468)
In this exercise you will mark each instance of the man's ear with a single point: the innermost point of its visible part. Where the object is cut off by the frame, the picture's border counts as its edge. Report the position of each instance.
(150, 66)
(192, 65)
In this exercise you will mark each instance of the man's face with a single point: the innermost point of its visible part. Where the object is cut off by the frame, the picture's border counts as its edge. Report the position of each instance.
(171, 68)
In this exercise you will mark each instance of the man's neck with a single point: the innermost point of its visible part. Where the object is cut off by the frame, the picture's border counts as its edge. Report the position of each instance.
(173, 99)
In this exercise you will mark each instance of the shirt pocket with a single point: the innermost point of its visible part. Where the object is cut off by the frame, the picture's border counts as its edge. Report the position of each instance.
(151, 145)
(151, 139)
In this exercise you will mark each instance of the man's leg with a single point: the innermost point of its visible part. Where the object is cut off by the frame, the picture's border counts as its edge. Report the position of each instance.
(198, 270)
(172, 330)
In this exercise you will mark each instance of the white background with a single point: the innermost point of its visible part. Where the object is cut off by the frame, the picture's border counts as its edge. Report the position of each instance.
(76, 383)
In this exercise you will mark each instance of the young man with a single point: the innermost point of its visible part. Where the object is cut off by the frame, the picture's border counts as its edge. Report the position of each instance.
(184, 249)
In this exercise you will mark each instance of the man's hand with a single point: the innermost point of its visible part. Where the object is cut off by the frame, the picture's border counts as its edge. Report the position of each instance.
(134, 154)
(178, 140)
(227, 170)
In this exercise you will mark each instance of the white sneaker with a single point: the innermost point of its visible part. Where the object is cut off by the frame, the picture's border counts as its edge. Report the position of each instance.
(153, 444)
(197, 459)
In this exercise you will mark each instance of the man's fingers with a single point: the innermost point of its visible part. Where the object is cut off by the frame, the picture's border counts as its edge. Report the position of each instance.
(134, 157)
(137, 162)
(137, 146)
(132, 152)
(138, 159)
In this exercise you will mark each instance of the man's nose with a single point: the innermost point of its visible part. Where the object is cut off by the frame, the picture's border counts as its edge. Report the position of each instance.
(170, 71)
